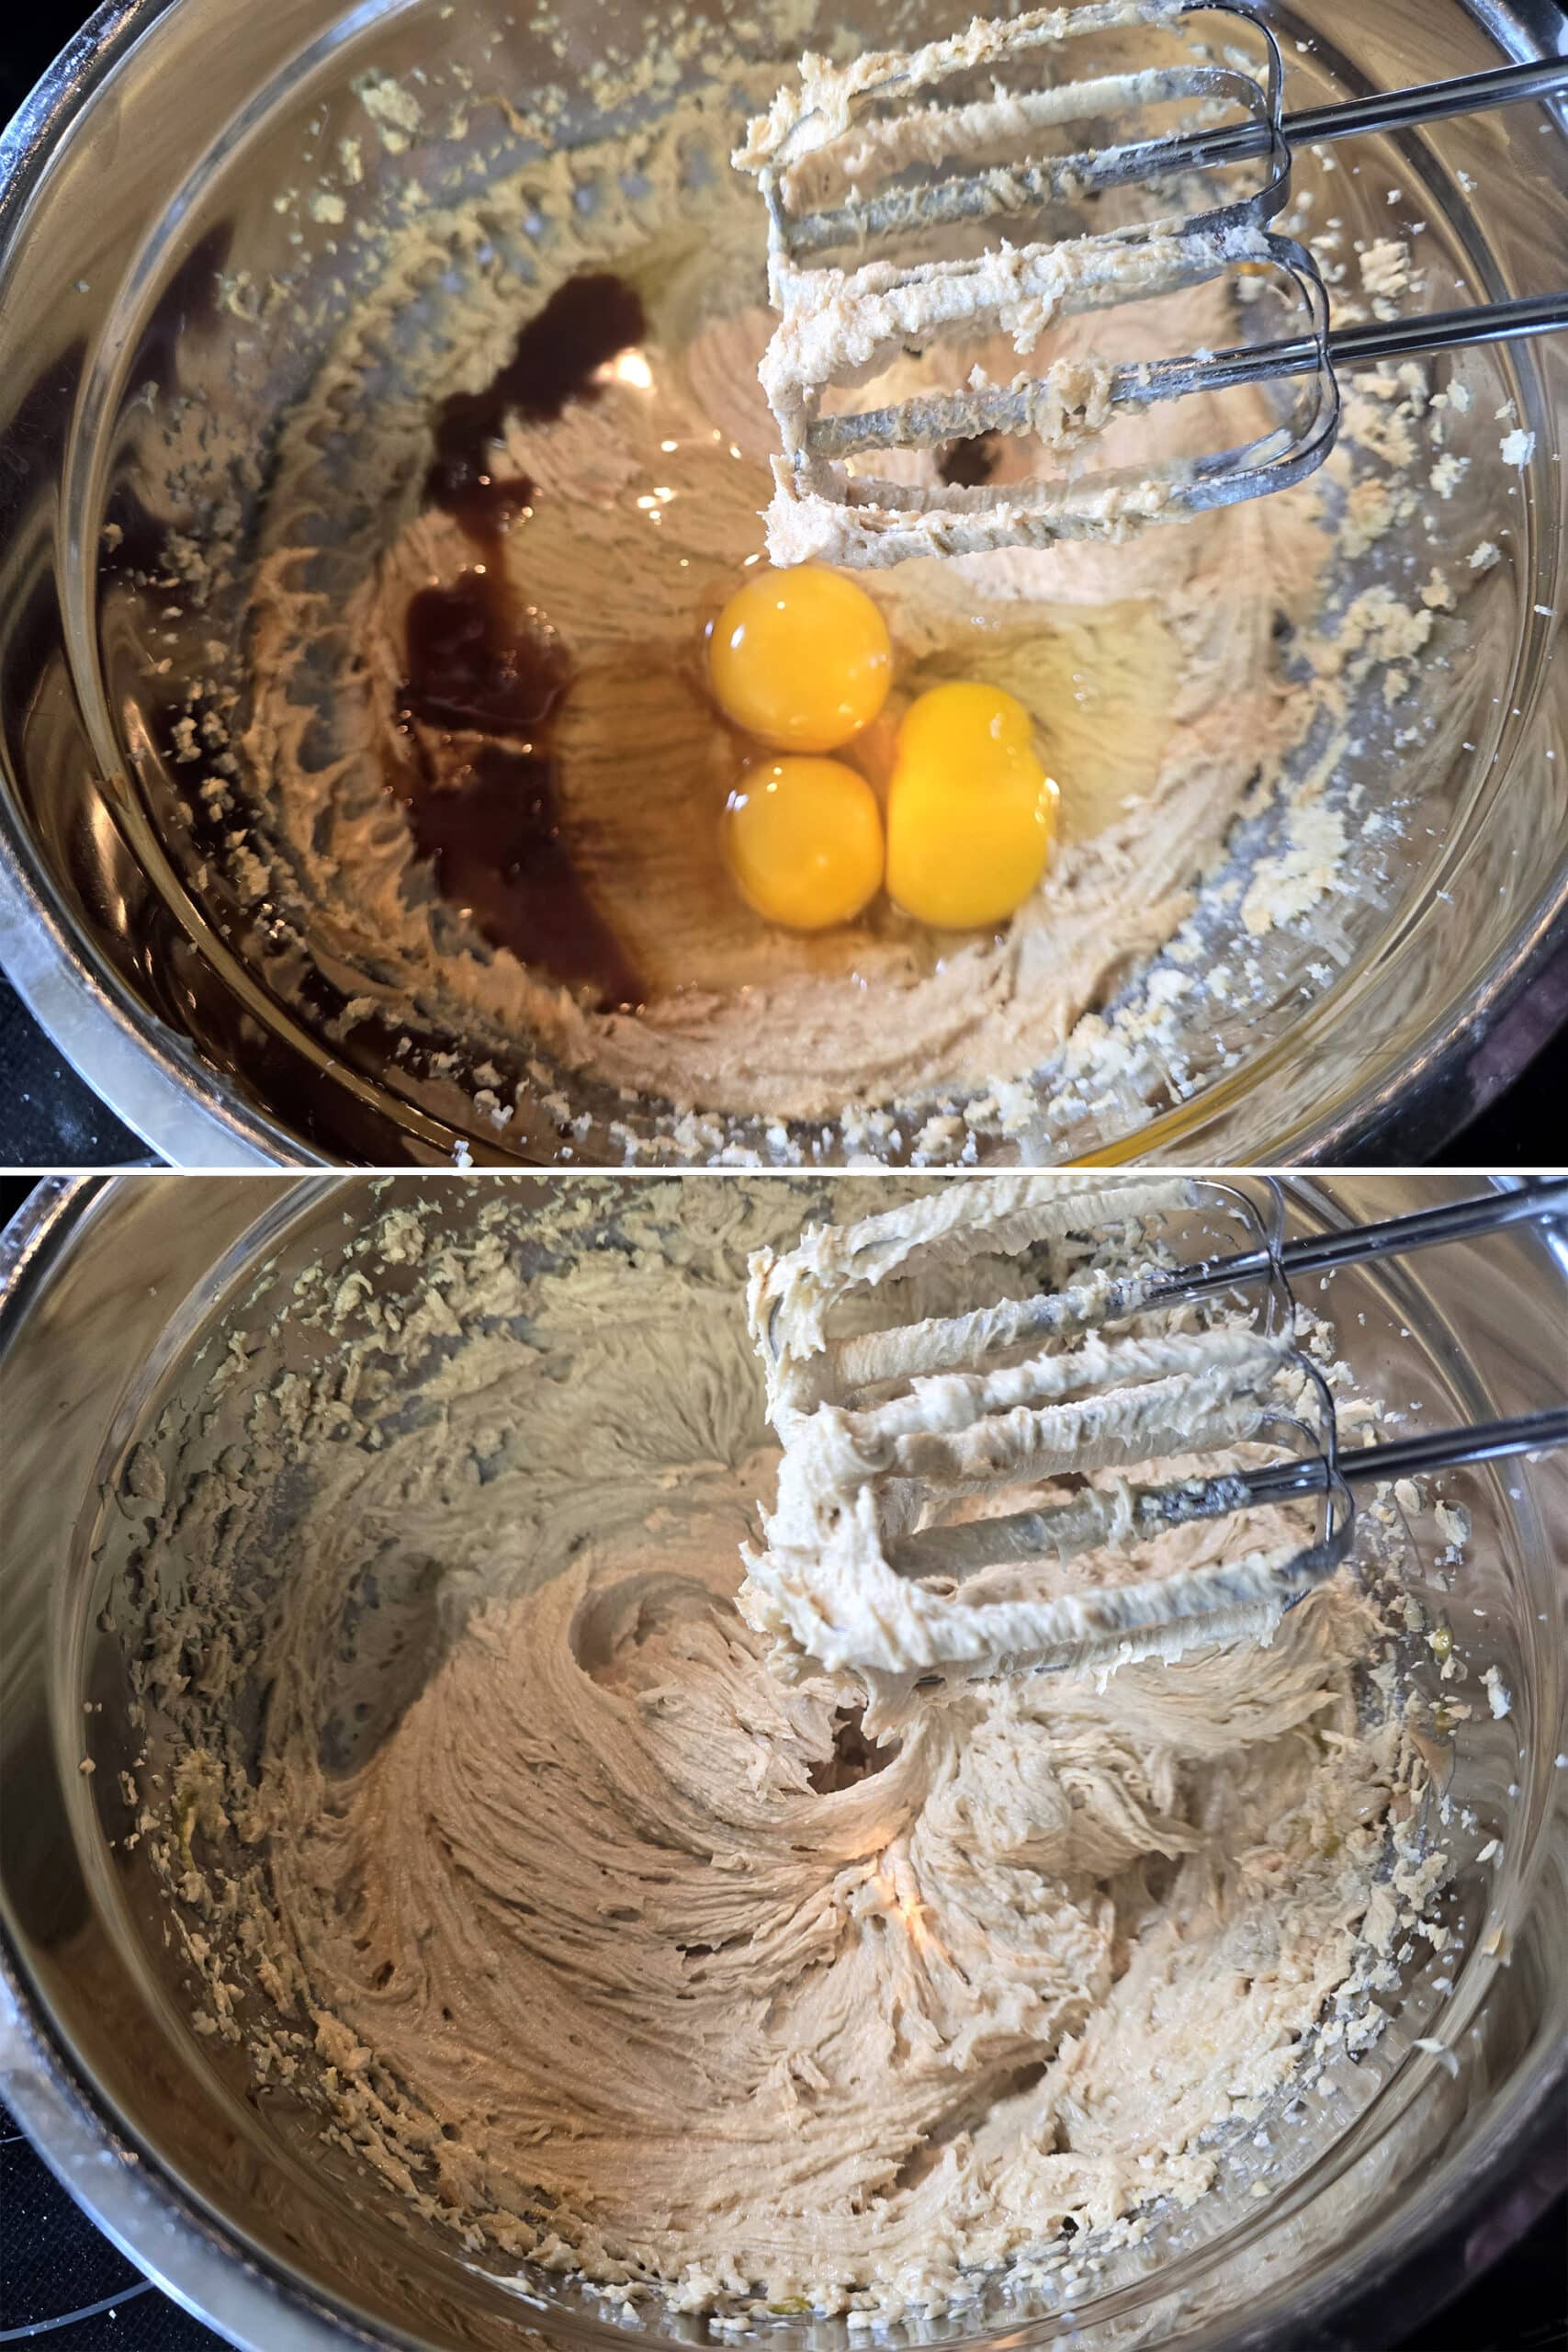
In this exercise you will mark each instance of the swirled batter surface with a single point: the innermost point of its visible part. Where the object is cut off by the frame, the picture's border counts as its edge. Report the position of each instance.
(626, 1956)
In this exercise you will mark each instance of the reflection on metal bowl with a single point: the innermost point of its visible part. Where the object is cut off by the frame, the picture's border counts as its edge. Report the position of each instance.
(1405, 2166)
(153, 342)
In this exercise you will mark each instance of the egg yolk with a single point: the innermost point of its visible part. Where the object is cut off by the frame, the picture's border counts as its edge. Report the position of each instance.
(803, 838)
(800, 659)
(970, 808)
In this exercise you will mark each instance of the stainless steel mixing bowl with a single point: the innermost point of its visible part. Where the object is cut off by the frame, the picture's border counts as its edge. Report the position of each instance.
(1403, 2172)
(153, 289)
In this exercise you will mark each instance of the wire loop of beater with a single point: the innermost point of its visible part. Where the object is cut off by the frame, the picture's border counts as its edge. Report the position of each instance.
(891, 1418)
(843, 257)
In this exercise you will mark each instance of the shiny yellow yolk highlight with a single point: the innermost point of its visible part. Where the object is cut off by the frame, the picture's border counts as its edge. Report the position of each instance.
(803, 838)
(800, 659)
(970, 809)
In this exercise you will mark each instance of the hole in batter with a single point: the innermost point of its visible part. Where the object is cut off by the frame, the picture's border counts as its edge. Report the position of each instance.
(968, 464)
(855, 1757)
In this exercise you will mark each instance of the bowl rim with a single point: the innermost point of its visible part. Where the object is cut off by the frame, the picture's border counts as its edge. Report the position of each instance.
(161, 1087)
(1480, 2198)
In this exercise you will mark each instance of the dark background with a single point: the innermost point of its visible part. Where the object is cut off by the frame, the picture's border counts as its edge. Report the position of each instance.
(60, 2283)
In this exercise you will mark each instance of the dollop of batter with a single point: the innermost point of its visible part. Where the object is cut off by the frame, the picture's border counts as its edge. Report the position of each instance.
(611, 1951)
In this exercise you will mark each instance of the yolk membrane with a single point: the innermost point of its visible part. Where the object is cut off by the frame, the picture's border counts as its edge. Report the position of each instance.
(803, 838)
(800, 659)
(970, 808)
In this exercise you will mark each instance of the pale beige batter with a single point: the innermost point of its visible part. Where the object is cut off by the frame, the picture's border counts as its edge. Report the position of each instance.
(629, 1958)
(899, 1423)
(837, 135)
